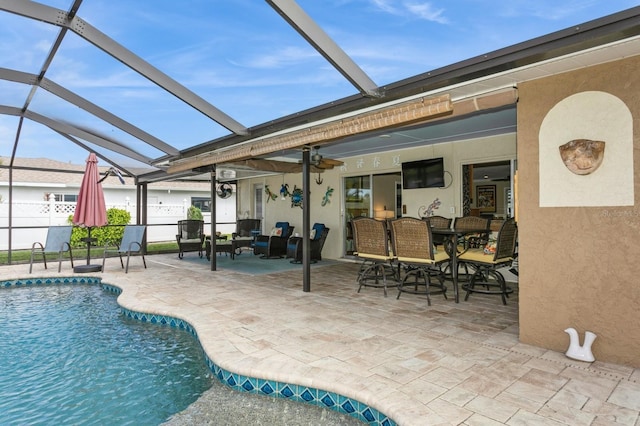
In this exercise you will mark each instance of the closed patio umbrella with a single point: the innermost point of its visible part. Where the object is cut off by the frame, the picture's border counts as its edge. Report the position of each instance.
(91, 210)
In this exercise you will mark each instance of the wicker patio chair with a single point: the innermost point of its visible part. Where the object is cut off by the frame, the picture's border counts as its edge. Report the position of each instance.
(131, 243)
(274, 245)
(190, 236)
(487, 260)
(58, 239)
(318, 236)
(372, 243)
(472, 222)
(439, 222)
(416, 255)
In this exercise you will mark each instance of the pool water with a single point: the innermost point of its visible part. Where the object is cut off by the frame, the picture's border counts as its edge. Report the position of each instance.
(68, 356)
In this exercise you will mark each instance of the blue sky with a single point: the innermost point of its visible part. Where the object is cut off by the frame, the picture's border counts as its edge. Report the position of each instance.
(243, 58)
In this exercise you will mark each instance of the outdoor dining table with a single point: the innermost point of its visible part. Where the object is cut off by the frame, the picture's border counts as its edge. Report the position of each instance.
(451, 246)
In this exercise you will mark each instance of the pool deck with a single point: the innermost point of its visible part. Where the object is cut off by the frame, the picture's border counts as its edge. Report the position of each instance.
(444, 364)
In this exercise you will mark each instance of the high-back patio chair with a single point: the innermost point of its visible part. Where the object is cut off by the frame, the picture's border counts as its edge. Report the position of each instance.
(416, 254)
(246, 228)
(487, 260)
(131, 243)
(317, 237)
(58, 242)
(472, 222)
(274, 245)
(439, 222)
(190, 236)
(372, 244)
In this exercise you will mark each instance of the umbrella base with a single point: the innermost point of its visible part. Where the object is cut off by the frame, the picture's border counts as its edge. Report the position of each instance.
(87, 268)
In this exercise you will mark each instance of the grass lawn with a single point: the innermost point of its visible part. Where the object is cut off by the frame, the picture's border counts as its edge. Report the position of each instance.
(23, 256)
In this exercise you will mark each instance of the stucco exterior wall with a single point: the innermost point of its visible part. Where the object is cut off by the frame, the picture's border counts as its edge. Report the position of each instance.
(577, 262)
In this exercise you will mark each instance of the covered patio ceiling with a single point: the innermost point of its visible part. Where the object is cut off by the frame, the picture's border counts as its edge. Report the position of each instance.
(479, 92)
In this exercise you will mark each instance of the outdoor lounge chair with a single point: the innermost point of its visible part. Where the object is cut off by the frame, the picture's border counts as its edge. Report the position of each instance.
(317, 238)
(58, 241)
(274, 245)
(131, 243)
(190, 236)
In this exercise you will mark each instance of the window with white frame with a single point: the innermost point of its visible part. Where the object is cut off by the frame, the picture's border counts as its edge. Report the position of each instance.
(70, 198)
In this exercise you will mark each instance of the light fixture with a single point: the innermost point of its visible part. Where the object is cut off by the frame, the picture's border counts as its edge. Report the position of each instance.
(383, 214)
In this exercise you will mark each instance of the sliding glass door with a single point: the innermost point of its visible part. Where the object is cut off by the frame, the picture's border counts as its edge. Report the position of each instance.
(377, 196)
(357, 203)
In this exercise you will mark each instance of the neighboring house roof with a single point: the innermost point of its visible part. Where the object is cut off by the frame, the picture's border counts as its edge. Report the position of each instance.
(47, 171)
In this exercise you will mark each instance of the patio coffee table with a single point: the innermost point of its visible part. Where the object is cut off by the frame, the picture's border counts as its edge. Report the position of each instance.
(222, 246)
(232, 247)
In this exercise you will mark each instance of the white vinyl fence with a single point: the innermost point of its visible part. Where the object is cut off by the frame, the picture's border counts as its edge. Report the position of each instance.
(38, 215)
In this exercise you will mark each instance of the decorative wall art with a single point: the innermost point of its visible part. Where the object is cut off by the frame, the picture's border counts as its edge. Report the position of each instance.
(284, 191)
(327, 196)
(586, 152)
(582, 156)
(270, 195)
(486, 198)
(428, 211)
(296, 197)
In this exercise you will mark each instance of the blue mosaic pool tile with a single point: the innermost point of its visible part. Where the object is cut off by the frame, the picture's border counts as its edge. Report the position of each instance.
(328, 399)
(345, 405)
(369, 415)
(266, 387)
(238, 382)
(49, 281)
(111, 289)
(286, 390)
(308, 395)
(385, 421)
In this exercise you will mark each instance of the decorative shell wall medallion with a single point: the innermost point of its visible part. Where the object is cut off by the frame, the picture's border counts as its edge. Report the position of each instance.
(582, 156)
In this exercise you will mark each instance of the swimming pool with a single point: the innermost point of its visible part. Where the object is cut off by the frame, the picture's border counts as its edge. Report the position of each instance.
(265, 399)
(68, 356)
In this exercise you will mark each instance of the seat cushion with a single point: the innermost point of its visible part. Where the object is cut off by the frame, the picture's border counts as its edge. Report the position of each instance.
(190, 241)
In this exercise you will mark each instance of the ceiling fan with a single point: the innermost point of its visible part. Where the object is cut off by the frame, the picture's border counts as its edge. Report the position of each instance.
(320, 162)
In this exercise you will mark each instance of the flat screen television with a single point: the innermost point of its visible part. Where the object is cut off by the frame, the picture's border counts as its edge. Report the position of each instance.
(423, 174)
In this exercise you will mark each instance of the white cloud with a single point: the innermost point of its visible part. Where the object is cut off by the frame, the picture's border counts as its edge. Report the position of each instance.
(423, 10)
(427, 12)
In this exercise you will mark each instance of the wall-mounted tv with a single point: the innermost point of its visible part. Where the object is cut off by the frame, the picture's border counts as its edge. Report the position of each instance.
(423, 174)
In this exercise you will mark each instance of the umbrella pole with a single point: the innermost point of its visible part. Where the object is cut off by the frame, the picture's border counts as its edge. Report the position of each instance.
(89, 246)
(88, 267)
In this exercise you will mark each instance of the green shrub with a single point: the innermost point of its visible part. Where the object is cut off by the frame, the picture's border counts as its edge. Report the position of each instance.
(103, 234)
(194, 213)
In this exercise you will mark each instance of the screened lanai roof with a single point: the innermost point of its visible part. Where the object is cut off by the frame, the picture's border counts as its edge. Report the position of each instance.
(157, 86)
